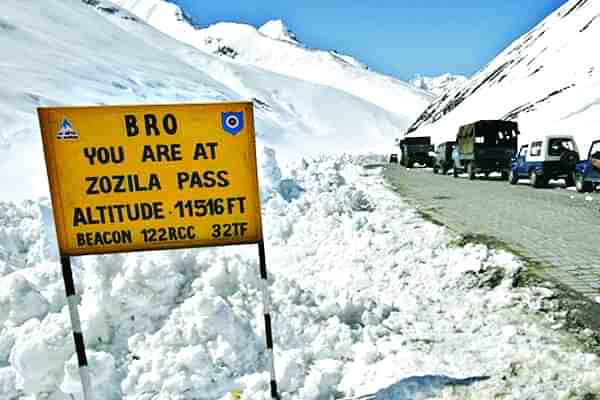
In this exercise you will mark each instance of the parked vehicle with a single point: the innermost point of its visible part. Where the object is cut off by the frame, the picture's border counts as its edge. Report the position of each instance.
(416, 150)
(485, 146)
(442, 161)
(393, 158)
(587, 172)
(542, 159)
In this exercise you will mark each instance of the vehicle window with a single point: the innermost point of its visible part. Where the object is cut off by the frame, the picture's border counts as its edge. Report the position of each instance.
(505, 136)
(536, 149)
(523, 151)
(418, 140)
(557, 146)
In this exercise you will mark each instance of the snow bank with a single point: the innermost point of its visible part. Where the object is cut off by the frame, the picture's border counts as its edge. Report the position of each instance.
(365, 293)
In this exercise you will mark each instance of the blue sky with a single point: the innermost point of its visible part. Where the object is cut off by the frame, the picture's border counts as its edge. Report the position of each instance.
(400, 38)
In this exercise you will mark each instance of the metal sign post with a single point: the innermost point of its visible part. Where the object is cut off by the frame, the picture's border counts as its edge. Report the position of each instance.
(267, 315)
(73, 302)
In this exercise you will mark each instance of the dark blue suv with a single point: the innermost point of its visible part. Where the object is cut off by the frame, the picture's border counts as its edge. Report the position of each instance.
(587, 172)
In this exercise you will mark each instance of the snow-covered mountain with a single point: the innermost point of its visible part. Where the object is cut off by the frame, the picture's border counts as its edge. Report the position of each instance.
(548, 79)
(273, 47)
(91, 52)
(438, 84)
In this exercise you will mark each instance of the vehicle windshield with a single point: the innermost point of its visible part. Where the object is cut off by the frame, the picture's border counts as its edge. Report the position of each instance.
(496, 135)
(558, 146)
(417, 141)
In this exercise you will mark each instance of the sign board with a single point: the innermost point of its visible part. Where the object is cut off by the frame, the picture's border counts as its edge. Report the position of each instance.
(130, 178)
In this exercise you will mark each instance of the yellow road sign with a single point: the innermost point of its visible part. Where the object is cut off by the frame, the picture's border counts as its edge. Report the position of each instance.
(125, 178)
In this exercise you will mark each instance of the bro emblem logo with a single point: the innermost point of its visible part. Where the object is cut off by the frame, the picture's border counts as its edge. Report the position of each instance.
(232, 122)
(66, 131)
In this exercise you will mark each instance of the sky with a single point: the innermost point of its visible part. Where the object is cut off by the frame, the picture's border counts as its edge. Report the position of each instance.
(402, 37)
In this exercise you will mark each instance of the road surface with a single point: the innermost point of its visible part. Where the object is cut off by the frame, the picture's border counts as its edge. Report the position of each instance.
(555, 226)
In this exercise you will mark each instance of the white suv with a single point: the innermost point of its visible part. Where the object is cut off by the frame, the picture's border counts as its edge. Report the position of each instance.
(550, 157)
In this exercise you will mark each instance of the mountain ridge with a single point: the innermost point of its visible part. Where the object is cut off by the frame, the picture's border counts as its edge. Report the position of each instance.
(548, 77)
(439, 84)
(245, 44)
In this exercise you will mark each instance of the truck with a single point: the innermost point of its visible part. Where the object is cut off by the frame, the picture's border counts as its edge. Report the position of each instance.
(485, 146)
(416, 150)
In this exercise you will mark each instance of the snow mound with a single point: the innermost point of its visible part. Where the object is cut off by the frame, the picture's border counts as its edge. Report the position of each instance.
(363, 296)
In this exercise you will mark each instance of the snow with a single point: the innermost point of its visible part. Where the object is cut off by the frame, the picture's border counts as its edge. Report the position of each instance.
(275, 29)
(130, 62)
(438, 84)
(547, 80)
(365, 291)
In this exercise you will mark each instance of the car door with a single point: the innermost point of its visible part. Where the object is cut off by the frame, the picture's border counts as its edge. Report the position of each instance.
(519, 164)
(591, 170)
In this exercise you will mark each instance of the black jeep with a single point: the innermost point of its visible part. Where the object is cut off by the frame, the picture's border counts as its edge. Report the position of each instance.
(443, 157)
(485, 146)
(416, 150)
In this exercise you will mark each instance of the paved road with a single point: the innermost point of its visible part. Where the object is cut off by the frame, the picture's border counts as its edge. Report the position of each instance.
(555, 226)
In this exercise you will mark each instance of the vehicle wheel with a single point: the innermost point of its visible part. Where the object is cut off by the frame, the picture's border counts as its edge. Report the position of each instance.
(536, 181)
(581, 185)
(512, 177)
(409, 163)
(471, 171)
(570, 180)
